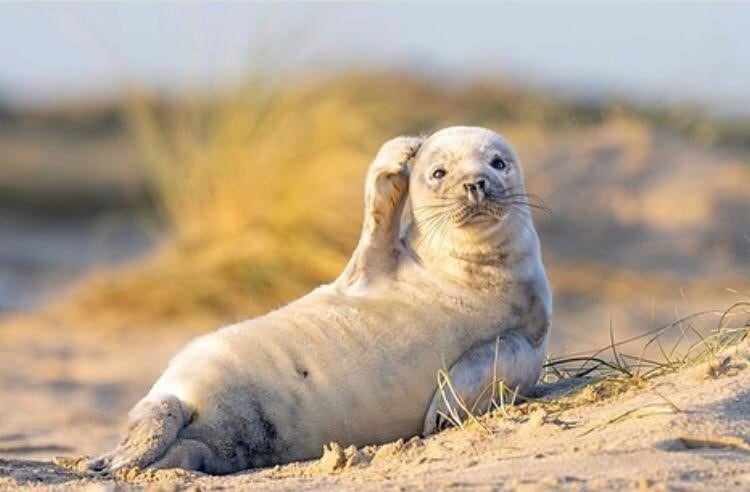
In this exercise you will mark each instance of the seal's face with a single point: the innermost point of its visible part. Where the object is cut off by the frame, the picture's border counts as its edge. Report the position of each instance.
(465, 176)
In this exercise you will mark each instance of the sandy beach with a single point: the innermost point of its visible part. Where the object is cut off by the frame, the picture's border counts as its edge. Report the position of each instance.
(685, 431)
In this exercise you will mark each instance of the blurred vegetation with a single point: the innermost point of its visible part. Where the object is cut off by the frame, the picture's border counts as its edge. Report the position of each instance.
(73, 159)
(261, 186)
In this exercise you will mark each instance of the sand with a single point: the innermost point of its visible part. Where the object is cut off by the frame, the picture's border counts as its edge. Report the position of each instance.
(65, 392)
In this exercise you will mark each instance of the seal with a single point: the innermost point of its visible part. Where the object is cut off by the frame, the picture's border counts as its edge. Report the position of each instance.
(447, 278)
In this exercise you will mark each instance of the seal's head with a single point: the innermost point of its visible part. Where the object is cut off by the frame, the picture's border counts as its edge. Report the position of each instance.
(469, 212)
(466, 178)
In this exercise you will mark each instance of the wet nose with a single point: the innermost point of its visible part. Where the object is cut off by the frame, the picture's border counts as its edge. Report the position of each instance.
(475, 190)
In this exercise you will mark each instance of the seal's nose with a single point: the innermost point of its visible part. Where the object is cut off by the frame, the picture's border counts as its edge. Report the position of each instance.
(475, 190)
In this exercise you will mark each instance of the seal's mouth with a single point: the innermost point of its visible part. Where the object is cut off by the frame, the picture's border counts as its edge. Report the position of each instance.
(476, 213)
(492, 208)
(468, 212)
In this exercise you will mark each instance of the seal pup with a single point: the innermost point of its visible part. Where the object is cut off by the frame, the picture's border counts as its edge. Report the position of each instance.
(452, 280)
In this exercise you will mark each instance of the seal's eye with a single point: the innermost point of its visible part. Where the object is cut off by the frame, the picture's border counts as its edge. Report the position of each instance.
(498, 163)
(438, 173)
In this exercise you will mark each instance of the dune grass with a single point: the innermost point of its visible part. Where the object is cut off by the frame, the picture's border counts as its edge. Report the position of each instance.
(256, 159)
(249, 186)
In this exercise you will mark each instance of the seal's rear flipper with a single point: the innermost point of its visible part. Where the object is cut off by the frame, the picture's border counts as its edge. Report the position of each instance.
(152, 427)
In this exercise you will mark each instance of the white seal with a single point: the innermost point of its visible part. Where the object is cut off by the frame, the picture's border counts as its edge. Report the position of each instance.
(453, 282)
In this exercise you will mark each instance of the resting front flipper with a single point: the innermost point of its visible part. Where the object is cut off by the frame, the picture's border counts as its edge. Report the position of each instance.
(472, 382)
(386, 189)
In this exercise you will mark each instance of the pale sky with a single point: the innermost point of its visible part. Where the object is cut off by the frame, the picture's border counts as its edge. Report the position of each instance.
(661, 51)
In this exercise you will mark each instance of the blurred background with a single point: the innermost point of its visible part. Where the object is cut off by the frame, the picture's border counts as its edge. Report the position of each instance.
(165, 164)
(166, 168)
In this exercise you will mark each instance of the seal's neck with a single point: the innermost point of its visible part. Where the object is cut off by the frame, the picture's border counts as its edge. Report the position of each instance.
(482, 258)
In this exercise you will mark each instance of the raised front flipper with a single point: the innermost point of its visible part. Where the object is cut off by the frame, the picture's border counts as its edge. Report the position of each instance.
(470, 386)
(386, 189)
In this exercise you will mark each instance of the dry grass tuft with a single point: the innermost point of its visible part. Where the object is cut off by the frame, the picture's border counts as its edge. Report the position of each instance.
(255, 159)
(715, 442)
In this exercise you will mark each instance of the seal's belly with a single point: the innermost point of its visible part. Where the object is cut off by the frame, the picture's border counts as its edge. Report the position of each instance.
(325, 368)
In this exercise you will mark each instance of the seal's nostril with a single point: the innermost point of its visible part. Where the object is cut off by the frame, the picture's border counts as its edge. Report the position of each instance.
(478, 185)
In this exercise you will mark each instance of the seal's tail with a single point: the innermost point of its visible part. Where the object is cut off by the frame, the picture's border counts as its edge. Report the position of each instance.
(152, 427)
